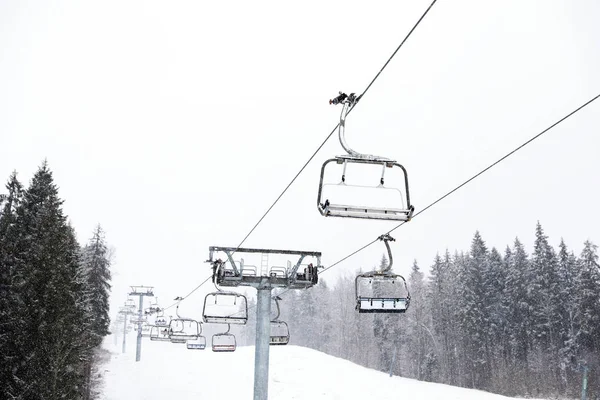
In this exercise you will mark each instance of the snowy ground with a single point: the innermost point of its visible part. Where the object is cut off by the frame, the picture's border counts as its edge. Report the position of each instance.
(170, 371)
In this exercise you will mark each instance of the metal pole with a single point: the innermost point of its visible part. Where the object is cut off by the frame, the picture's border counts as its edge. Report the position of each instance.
(124, 331)
(116, 333)
(584, 383)
(263, 334)
(138, 349)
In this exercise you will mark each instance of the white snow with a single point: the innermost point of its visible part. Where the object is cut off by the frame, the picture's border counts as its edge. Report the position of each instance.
(170, 371)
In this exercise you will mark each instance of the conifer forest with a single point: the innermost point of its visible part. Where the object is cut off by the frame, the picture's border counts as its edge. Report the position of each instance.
(503, 321)
(54, 296)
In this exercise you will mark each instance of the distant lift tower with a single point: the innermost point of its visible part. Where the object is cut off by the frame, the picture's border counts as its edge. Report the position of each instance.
(123, 313)
(230, 273)
(140, 291)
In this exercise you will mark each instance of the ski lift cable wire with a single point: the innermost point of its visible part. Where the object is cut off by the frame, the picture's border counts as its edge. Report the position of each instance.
(471, 178)
(336, 127)
(322, 144)
(461, 185)
(187, 295)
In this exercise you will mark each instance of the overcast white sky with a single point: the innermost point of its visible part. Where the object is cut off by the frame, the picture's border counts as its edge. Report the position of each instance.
(176, 124)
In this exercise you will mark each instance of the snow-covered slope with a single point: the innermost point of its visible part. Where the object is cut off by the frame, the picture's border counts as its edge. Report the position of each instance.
(170, 371)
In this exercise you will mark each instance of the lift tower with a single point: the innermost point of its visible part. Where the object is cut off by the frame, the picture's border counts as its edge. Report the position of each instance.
(123, 313)
(264, 278)
(140, 291)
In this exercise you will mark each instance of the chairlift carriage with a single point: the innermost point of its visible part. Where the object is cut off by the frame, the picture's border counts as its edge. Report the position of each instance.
(382, 291)
(225, 308)
(280, 332)
(159, 333)
(137, 320)
(130, 304)
(146, 330)
(183, 329)
(199, 343)
(376, 201)
(224, 342)
(196, 344)
(160, 319)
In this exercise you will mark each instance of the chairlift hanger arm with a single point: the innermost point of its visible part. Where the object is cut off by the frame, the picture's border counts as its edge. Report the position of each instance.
(276, 319)
(295, 268)
(386, 238)
(348, 102)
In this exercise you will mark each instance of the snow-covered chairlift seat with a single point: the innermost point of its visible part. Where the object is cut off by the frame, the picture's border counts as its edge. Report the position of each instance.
(225, 308)
(381, 293)
(224, 342)
(402, 211)
(198, 344)
(280, 333)
(183, 329)
(159, 333)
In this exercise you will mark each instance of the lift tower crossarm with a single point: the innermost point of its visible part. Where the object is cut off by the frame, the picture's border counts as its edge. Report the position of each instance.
(265, 251)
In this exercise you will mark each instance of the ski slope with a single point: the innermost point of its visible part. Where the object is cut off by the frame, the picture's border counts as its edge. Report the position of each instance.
(170, 371)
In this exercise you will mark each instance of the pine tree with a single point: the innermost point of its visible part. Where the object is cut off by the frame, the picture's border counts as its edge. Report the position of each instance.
(587, 301)
(423, 361)
(46, 279)
(96, 275)
(546, 309)
(496, 311)
(472, 317)
(588, 298)
(518, 321)
(440, 302)
(567, 274)
(11, 315)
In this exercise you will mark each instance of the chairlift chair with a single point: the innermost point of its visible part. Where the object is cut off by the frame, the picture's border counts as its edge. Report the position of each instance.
(199, 343)
(400, 210)
(225, 308)
(382, 291)
(145, 330)
(224, 342)
(130, 304)
(280, 332)
(159, 333)
(183, 329)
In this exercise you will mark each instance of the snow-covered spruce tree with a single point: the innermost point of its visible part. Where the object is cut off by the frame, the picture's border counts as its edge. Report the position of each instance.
(441, 301)
(546, 312)
(459, 357)
(321, 296)
(96, 272)
(347, 322)
(95, 279)
(518, 321)
(423, 363)
(587, 298)
(46, 281)
(11, 313)
(496, 311)
(472, 319)
(568, 353)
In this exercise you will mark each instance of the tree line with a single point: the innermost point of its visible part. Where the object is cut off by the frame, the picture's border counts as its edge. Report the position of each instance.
(512, 323)
(53, 296)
